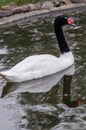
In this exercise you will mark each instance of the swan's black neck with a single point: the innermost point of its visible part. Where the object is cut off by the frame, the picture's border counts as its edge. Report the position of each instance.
(60, 37)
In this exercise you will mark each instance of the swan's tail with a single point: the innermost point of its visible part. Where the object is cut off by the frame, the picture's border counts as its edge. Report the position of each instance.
(4, 77)
(11, 76)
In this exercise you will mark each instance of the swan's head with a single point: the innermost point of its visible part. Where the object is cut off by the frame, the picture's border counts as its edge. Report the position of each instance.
(64, 20)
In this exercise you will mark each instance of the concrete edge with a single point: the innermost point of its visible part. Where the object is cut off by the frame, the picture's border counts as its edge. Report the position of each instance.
(19, 18)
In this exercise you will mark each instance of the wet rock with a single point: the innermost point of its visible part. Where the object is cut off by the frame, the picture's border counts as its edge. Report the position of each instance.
(47, 5)
(78, 1)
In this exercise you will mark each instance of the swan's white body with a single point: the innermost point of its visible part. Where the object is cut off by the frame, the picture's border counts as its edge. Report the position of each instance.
(38, 66)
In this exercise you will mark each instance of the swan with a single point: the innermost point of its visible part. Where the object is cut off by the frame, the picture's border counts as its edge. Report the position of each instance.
(38, 66)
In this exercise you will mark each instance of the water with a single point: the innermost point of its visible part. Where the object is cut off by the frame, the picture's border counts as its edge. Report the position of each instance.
(56, 102)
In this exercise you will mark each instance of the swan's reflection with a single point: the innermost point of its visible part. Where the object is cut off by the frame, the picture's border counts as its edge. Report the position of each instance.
(38, 85)
(45, 84)
(66, 93)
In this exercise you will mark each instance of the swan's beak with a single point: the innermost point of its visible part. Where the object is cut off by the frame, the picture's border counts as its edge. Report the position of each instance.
(74, 25)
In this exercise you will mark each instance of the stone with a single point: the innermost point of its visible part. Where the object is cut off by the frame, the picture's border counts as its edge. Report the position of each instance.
(5, 13)
(38, 5)
(56, 3)
(32, 7)
(65, 2)
(78, 1)
(20, 9)
(25, 8)
(8, 7)
(47, 5)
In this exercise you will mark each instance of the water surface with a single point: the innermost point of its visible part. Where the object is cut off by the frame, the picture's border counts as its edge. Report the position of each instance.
(52, 103)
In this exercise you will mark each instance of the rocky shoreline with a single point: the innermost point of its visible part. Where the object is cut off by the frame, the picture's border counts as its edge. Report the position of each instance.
(12, 14)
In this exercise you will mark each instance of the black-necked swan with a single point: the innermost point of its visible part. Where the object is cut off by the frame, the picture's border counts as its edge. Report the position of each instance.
(38, 66)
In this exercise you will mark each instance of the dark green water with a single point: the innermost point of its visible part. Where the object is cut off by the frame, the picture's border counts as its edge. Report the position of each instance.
(60, 103)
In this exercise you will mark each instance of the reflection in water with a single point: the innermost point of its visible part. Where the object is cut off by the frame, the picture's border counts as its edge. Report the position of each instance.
(66, 93)
(44, 85)
(38, 85)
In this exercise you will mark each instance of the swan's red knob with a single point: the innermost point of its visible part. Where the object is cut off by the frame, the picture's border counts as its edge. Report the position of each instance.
(70, 21)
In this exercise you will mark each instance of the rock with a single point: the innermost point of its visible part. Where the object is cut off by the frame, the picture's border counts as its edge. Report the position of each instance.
(8, 7)
(65, 2)
(38, 6)
(20, 9)
(56, 3)
(5, 13)
(25, 8)
(78, 1)
(32, 7)
(47, 5)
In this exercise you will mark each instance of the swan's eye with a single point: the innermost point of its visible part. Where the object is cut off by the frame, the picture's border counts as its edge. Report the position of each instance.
(70, 21)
